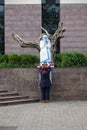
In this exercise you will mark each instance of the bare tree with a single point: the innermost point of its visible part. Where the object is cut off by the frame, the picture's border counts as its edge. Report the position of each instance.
(59, 33)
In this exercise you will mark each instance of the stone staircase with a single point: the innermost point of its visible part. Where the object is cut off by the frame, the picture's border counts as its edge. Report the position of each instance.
(12, 89)
(12, 98)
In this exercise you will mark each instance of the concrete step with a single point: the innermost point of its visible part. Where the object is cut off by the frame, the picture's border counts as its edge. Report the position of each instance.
(20, 101)
(8, 94)
(13, 98)
(3, 90)
(8, 98)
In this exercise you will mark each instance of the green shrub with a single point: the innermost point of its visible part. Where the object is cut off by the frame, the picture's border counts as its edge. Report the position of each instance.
(14, 60)
(73, 59)
(58, 60)
(3, 58)
(28, 60)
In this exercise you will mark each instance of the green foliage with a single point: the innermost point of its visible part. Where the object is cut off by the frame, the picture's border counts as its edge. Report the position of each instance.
(3, 58)
(72, 59)
(14, 60)
(58, 60)
(28, 60)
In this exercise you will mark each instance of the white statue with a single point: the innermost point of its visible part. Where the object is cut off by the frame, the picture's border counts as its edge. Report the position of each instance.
(45, 50)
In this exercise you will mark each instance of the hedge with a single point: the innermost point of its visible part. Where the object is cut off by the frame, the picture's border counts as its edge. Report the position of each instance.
(23, 60)
(73, 59)
(65, 59)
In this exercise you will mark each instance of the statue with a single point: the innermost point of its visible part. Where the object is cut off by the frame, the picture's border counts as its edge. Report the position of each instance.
(45, 49)
(45, 45)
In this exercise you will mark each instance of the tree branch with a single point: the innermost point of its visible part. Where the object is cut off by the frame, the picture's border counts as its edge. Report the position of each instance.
(23, 43)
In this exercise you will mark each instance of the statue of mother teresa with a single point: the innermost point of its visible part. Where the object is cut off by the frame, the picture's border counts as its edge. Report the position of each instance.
(45, 50)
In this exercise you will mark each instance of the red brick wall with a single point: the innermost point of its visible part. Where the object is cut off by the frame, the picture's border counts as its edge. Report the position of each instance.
(74, 17)
(24, 20)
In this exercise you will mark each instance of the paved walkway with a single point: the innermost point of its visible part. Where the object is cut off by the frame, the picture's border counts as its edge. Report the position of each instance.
(67, 115)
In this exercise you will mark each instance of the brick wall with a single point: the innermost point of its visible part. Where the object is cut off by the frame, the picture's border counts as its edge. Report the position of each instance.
(24, 20)
(68, 84)
(74, 17)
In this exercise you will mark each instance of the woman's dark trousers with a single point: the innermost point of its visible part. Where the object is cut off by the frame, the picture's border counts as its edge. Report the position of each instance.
(45, 91)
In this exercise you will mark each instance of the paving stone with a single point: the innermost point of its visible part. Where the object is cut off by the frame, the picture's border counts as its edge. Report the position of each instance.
(56, 115)
(8, 128)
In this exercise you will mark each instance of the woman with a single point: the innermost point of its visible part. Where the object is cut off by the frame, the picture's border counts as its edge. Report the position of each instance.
(45, 82)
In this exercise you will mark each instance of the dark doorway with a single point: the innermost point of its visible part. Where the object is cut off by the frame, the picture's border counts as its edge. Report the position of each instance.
(50, 17)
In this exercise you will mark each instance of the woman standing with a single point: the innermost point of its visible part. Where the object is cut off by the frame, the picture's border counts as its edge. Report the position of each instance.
(45, 82)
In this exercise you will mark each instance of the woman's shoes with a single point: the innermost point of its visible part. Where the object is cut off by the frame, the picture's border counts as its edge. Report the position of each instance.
(45, 101)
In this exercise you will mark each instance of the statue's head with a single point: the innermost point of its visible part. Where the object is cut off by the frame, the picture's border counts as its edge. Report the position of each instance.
(44, 37)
